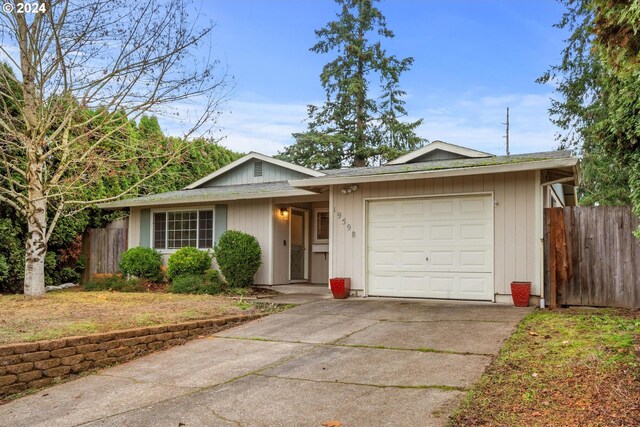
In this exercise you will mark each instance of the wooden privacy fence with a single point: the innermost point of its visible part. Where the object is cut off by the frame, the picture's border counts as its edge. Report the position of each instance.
(102, 248)
(592, 257)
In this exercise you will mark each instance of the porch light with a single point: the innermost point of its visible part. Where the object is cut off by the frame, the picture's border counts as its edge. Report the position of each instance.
(349, 189)
(284, 212)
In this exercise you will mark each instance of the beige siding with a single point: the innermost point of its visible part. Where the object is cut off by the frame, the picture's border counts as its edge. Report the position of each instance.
(254, 217)
(515, 240)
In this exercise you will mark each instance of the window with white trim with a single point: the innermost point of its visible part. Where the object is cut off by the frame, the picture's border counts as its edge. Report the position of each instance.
(321, 225)
(178, 229)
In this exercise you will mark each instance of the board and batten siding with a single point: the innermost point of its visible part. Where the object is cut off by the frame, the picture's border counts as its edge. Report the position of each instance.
(244, 174)
(254, 217)
(517, 227)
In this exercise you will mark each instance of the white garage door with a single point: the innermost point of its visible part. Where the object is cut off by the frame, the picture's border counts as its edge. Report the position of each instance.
(440, 247)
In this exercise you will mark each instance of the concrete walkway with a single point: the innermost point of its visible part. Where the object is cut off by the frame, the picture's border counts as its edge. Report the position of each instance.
(298, 294)
(360, 362)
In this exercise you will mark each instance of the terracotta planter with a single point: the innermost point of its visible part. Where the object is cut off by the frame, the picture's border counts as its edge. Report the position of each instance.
(520, 292)
(340, 287)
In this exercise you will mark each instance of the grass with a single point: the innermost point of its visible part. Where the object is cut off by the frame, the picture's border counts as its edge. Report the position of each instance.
(569, 367)
(70, 312)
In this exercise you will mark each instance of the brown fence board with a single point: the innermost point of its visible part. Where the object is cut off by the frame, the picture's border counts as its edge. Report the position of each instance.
(592, 257)
(102, 248)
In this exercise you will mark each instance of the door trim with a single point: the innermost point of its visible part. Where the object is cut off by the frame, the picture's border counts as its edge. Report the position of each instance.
(365, 241)
(305, 214)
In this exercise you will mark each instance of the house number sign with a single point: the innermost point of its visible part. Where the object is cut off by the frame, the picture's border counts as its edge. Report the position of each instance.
(343, 221)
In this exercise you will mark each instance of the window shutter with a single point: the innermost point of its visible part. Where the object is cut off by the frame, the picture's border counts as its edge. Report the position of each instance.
(145, 228)
(221, 221)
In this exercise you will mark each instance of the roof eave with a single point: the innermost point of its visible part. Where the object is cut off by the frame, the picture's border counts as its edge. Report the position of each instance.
(438, 173)
(134, 203)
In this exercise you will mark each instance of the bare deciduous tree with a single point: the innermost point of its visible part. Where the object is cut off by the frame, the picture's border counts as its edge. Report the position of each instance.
(83, 71)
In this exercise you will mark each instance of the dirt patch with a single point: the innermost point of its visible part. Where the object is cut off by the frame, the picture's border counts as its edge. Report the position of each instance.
(566, 367)
(66, 313)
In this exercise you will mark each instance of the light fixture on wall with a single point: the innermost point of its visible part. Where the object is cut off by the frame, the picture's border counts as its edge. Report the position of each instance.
(349, 189)
(284, 213)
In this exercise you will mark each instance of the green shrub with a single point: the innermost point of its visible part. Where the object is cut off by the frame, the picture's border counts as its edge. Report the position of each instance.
(188, 260)
(115, 283)
(4, 268)
(210, 283)
(145, 263)
(69, 275)
(239, 256)
(187, 284)
(213, 276)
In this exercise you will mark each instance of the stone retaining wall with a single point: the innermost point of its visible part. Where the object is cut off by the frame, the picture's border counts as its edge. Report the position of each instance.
(37, 364)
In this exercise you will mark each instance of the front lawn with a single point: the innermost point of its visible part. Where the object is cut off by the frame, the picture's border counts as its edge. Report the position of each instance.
(569, 367)
(66, 313)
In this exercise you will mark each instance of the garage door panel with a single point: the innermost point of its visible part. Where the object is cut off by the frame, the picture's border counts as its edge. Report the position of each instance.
(478, 207)
(478, 232)
(442, 232)
(413, 233)
(431, 248)
(440, 208)
(475, 284)
(385, 284)
(412, 209)
(381, 211)
(442, 284)
(442, 259)
(382, 259)
(475, 259)
(412, 258)
(383, 234)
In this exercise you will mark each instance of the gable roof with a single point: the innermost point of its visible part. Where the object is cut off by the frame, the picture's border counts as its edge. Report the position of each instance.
(253, 156)
(445, 168)
(438, 145)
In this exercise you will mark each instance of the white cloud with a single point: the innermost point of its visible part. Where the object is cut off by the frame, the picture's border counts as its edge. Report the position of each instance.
(473, 121)
(252, 126)
(479, 123)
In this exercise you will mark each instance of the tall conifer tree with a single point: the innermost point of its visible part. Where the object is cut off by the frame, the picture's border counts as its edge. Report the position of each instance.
(354, 127)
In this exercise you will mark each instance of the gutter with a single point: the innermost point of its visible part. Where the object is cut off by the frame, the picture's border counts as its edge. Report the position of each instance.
(127, 203)
(438, 173)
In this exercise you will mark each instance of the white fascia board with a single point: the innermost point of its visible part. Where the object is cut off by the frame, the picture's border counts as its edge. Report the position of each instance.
(440, 173)
(439, 145)
(250, 156)
(127, 203)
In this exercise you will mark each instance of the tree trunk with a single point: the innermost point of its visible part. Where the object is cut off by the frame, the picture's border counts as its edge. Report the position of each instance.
(36, 245)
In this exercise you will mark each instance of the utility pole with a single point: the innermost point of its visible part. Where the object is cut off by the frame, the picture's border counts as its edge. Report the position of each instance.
(507, 134)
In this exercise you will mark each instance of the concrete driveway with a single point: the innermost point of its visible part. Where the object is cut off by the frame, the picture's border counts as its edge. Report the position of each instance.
(360, 362)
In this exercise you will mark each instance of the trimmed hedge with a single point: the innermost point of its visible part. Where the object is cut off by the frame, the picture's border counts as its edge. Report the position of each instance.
(239, 256)
(145, 263)
(188, 260)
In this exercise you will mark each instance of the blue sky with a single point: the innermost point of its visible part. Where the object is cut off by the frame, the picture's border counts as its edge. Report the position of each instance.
(473, 58)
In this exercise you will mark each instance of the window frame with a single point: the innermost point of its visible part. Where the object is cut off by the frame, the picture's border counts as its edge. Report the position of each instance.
(316, 212)
(166, 250)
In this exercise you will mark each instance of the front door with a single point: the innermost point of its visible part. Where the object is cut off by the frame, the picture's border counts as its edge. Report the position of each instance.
(298, 248)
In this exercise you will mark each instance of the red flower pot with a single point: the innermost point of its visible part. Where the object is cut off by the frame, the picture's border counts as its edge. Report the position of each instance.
(520, 292)
(340, 287)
